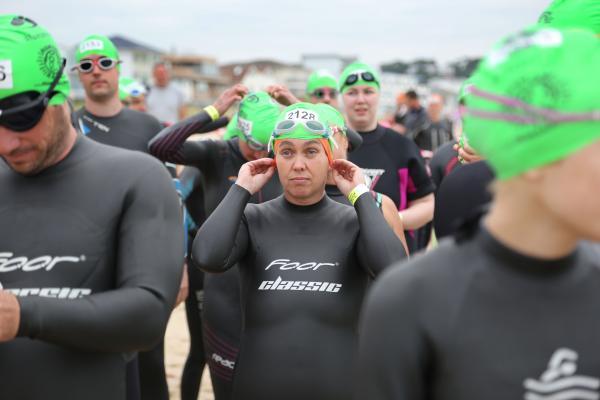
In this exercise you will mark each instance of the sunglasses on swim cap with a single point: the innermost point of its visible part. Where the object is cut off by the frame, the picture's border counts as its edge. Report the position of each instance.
(321, 93)
(22, 111)
(104, 63)
(253, 143)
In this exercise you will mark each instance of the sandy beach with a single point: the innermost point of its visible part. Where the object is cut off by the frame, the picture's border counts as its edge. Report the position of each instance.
(177, 342)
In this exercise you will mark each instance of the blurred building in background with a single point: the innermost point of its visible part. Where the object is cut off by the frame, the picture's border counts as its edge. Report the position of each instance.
(197, 76)
(259, 74)
(201, 78)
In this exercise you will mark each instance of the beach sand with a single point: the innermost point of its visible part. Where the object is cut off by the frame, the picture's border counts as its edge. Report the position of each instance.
(177, 342)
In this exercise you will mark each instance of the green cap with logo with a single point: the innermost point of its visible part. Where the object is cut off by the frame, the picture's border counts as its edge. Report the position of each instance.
(358, 69)
(29, 60)
(333, 118)
(535, 99)
(97, 45)
(232, 130)
(256, 116)
(320, 79)
(302, 121)
(572, 14)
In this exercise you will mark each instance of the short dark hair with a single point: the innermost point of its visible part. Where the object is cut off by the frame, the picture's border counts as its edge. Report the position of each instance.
(411, 94)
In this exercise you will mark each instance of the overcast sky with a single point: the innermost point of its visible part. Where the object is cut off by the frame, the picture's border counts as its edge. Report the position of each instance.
(233, 30)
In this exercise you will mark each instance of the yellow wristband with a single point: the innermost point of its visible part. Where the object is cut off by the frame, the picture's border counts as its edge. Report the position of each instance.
(212, 112)
(358, 191)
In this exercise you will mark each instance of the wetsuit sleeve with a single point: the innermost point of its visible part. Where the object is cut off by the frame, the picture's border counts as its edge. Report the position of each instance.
(223, 238)
(437, 170)
(377, 245)
(190, 181)
(148, 261)
(420, 184)
(393, 352)
(171, 143)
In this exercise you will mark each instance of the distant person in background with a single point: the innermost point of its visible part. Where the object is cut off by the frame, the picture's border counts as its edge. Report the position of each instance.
(165, 101)
(322, 88)
(397, 119)
(391, 162)
(133, 94)
(416, 119)
(439, 129)
(105, 119)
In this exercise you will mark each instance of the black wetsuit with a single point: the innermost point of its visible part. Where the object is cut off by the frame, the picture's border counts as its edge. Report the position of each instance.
(434, 134)
(92, 247)
(129, 129)
(463, 194)
(304, 272)
(219, 163)
(132, 130)
(444, 161)
(475, 320)
(393, 166)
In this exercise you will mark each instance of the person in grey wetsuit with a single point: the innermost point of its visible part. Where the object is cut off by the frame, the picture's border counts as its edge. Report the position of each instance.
(349, 140)
(91, 242)
(304, 260)
(508, 309)
(105, 119)
(219, 163)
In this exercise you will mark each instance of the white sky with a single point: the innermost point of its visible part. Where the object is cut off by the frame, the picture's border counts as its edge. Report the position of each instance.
(234, 30)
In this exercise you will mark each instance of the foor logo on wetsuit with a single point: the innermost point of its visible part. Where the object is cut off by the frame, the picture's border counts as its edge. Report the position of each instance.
(560, 382)
(9, 263)
(284, 265)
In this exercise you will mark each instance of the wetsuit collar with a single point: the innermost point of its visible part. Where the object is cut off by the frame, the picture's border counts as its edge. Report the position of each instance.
(105, 118)
(306, 209)
(522, 263)
(370, 137)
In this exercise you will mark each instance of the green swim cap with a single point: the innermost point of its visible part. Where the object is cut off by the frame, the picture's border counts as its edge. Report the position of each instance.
(463, 91)
(29, 59)
(130, 87)
(332, 117)
(98, 45)
(535, 99)
(572, 14)
(320, 79)
(359, 68)
(302, 121)
(256, 116)
(232, 130)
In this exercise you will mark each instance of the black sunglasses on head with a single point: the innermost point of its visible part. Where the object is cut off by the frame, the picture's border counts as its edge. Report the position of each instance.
(22, 111)
(353, 78)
